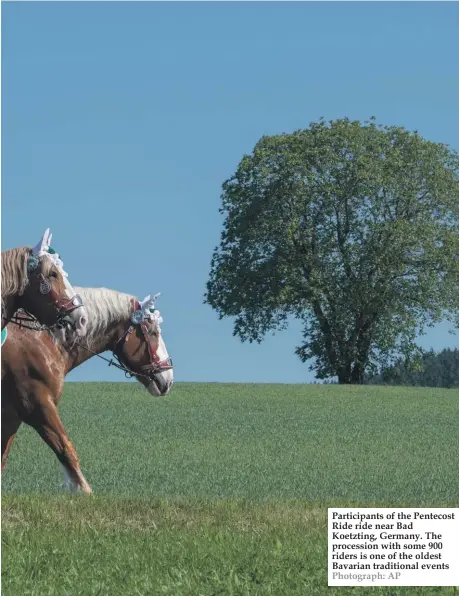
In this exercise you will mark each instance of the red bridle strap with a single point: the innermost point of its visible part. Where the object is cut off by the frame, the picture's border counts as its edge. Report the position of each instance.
(155, 362)
(62, 304)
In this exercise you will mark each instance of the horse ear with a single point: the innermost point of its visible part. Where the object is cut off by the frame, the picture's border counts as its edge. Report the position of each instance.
(148, 303)
(143, 303)
(44, 243)
(152, 301)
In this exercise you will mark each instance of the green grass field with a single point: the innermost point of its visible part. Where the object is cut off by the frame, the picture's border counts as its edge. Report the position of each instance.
(219, 489)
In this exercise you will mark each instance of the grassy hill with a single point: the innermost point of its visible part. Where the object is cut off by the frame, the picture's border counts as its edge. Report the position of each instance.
(219, 488)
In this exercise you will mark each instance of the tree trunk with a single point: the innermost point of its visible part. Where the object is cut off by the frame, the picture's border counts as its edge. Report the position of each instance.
(344, 376)
(351, 374)
(357, 375)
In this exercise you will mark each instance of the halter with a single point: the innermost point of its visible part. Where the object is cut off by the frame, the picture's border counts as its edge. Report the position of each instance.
(156, 365)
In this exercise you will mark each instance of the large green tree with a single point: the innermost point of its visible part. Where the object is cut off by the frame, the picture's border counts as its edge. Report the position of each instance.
(350, 227)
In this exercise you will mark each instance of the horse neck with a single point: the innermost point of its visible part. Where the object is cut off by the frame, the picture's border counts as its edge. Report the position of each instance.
(104, 342)
(103, 338)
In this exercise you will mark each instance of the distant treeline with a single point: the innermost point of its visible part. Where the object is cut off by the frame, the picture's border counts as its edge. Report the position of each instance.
(438, 369)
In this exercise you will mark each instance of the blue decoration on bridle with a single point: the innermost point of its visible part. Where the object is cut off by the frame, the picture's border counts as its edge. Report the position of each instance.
(34, 260)
(4, 335)
(32, 263)
(137, 317)
(143, 311)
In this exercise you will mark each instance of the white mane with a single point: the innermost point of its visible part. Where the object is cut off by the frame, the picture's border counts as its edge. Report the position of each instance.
(104, 307)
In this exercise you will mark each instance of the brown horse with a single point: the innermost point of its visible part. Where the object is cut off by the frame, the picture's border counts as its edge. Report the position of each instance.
(34, 280)
(35, 368)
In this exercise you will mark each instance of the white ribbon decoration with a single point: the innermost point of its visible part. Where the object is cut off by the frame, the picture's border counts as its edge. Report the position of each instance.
(42, 249)
(146, 304)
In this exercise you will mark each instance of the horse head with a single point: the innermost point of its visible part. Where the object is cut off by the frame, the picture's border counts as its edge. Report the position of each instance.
(142, 349)
(49, 296)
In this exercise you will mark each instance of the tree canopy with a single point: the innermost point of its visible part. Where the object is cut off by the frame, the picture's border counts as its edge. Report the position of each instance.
(353, 228)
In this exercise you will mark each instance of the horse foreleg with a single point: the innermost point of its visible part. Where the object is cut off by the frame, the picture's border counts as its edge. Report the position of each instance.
(46, 421)
(10, 425)
(6, 449)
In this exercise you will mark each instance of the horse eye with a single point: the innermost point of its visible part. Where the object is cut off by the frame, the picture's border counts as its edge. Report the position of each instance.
(53, 274)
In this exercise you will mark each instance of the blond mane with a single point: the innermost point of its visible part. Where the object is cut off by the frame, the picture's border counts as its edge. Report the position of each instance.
(14, 273)
(104, 307)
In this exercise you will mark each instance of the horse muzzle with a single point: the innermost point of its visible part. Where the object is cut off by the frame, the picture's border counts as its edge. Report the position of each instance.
(158, 386)
(74, 315)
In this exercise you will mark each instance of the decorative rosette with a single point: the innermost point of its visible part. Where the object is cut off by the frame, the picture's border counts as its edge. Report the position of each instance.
(137, 317)
(45, 286)
(147, 311)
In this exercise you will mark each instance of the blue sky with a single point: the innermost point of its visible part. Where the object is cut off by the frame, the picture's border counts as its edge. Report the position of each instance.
(120, 122)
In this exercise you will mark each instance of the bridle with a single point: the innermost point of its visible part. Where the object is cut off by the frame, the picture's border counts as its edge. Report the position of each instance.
(149, 371)
(63, 306)
(156, 365)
